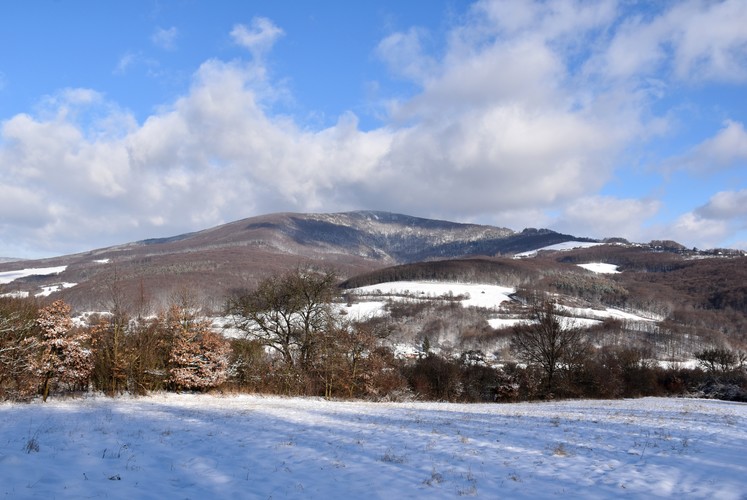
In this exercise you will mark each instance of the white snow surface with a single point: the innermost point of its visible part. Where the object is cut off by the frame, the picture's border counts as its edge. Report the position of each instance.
(202, 446)
(559, 247)
(49, 290)
(10, 276)
(364, 310)
(506, 322)
(607, 312)
(477, 295)
(600, 268)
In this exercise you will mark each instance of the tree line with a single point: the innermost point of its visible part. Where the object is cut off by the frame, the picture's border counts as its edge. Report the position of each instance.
(286, 336)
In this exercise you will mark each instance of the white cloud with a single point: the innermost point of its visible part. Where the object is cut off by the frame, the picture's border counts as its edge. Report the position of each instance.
(711, 224)
(258, 38)
(126, 61)
(20, 206)
(726, 149)
(605, 216)
(165, 38)
(692, 40)
(725, 205)
(691, 229)
(566, 19)
(507, 126)
(404, 54)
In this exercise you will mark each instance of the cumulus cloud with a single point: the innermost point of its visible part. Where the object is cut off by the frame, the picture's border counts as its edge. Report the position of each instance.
(692, 229)
(709, 225)
(726, 149)
(405, 56)
(725, 205)
(165, 38)
(606, 216)
(507, 126)
(258, 38)
(693, 40)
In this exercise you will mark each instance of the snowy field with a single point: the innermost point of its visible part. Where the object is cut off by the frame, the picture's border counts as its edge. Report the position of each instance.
(558, 247)
(199, 446)
(371, 299)
(471, 294)
(10, 276)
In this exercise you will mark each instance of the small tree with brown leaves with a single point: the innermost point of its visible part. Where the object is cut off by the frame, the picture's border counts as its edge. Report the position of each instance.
(199, 358)
(64, 355)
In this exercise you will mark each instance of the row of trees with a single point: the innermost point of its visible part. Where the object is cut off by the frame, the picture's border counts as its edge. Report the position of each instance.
(42, 350)
(292, 316)
(288, 338)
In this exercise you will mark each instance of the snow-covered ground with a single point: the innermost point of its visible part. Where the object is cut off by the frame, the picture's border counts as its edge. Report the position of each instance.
(600, 314)
(49, 290)
(472, 294)
(600, 268)
(199, 446)
(558, 247)
(10, 276)
(370, 303)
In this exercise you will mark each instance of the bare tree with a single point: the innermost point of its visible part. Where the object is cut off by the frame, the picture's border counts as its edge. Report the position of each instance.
(18, 342)
(287, 313)
(546, 342)
(718, 360)
(110, 335)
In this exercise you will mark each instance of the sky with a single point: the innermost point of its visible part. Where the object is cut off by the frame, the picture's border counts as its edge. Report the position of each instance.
(121, 121)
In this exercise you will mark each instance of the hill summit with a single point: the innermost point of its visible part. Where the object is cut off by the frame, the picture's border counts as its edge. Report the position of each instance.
(237, 254)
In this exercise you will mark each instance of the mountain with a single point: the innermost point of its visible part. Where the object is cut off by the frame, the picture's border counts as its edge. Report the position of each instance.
(238, 254)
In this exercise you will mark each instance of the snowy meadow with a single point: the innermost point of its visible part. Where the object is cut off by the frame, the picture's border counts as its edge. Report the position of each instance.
(204, 446)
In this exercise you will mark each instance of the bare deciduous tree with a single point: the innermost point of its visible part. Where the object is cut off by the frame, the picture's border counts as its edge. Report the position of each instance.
(546, 342)
(287, 313)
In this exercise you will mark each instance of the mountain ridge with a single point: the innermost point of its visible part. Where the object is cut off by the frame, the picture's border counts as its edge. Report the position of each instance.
(239, 253)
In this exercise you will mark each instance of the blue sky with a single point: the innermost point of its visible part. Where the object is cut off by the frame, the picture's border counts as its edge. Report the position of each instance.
(121, 121)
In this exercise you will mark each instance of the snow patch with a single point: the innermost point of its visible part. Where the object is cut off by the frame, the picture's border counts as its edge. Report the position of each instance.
(600, 268)
(363, 310)
(57, 287)
(10, 276)
(559, 247)
(499, 323)
(468, 294)
(601, 314)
